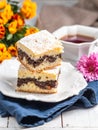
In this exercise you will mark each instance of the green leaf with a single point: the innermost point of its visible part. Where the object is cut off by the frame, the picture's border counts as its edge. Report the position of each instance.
(15, 8)
(9, 36)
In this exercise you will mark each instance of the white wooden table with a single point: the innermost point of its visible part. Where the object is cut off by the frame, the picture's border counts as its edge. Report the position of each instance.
(80, 119)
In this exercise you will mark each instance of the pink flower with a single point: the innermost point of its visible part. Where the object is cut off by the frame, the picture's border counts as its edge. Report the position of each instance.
(88, 66)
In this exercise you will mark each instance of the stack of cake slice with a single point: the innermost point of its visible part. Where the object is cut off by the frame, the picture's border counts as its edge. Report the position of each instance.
(40, 57)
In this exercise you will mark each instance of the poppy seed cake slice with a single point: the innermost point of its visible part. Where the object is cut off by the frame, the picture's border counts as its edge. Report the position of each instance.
(38, 82)
(39, 51)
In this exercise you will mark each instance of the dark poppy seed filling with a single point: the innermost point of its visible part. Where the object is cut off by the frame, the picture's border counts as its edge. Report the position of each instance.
(52, 58)
(41, 84)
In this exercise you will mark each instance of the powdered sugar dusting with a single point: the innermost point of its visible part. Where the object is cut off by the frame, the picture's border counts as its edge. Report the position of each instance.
(40, 42)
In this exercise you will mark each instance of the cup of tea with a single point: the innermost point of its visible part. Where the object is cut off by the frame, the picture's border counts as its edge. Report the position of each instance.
(77, 40)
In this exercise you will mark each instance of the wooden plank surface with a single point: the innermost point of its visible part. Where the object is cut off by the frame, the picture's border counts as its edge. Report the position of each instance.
(81, 118)
(78, 119)
(3, 122)
(62, 129)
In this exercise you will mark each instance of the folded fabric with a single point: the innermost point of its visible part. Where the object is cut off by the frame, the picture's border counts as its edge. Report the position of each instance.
(52, 17)
(35, 113)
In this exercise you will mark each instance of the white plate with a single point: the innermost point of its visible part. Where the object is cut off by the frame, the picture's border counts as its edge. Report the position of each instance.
(70, 83)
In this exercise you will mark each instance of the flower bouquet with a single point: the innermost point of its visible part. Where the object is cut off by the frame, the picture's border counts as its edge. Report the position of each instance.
(12, 25)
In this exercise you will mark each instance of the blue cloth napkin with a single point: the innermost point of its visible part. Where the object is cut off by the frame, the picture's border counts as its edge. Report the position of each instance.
(35, 113)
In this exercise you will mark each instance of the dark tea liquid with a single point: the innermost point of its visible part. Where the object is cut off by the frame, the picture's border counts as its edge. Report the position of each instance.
(77, 38)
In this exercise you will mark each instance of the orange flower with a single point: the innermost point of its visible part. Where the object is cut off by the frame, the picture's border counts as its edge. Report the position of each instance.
(1, 21)
(20, 20)
(12, 50)
(2, 4)
(5, 55)
(13, 27)
(31, 31)
(1, 57)
(2, 31)
(2, 47)
(28, 9)
(6, 14)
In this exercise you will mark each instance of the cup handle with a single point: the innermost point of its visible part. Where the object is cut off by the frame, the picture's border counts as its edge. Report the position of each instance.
(94, 47)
